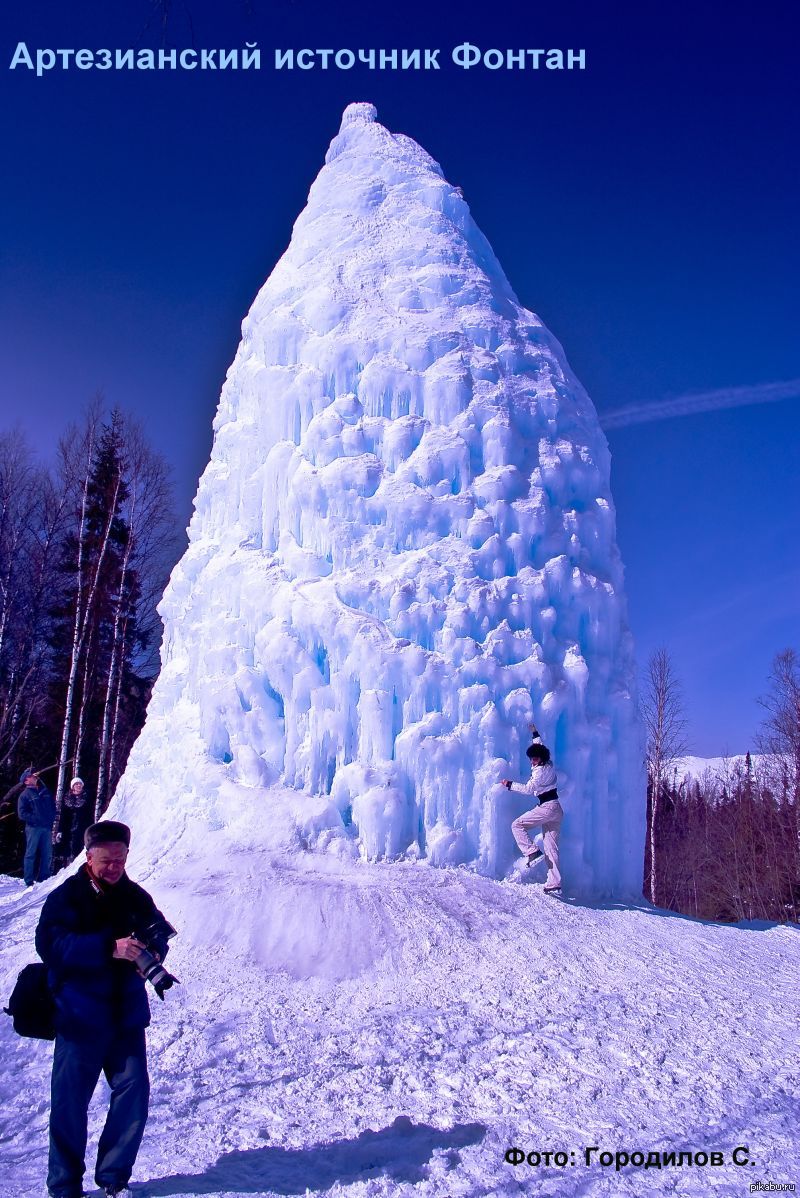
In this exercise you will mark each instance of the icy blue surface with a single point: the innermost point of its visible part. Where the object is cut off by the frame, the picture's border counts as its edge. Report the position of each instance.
(403, 551)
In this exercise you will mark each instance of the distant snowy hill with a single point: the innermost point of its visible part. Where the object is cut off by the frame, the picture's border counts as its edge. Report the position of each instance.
(403, 552)
(717, 767)
(391, 1031)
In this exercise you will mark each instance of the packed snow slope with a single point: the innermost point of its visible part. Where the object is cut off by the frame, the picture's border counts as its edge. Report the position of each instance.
(403, 552)
(394, 1030)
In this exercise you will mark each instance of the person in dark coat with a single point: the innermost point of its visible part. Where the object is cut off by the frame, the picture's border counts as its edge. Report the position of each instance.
(37, 810)
(73, 821)
(86, 939)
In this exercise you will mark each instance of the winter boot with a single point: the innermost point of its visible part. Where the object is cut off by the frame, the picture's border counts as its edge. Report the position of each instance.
(534, 858)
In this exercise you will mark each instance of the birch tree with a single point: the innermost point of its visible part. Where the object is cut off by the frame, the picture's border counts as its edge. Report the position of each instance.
(779, 738)
(148, 553)
(666, 727)
(91, 547)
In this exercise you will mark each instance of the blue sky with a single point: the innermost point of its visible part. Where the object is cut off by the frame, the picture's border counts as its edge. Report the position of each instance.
(645, 208)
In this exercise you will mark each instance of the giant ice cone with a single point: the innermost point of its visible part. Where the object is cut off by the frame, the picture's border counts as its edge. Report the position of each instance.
(403, 553)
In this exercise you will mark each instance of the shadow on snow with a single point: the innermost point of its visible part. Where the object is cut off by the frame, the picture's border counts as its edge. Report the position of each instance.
(647, 908)
(400, 1152)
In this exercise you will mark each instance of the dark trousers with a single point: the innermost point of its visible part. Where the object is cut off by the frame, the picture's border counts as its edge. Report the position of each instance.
(38, 854)
(77, 1065)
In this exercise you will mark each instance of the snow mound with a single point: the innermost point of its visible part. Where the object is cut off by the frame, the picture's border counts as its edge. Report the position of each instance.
(402, 553)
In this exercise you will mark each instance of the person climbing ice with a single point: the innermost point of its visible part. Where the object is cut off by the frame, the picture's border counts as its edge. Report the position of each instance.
(546, 815)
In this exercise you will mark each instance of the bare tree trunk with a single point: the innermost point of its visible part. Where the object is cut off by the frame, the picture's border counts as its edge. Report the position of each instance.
(118, 644)
(78, 623)
(111, 702)
(662, 708)
(654, 817)
(113, 768)
(82, 694)
(83, 611)
(149, 545)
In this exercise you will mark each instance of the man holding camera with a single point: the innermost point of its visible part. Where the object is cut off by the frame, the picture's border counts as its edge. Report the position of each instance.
(87, 938)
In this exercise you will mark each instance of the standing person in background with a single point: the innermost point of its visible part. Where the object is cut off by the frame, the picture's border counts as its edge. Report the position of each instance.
(74, 820)
(546, 815)
(37, 810)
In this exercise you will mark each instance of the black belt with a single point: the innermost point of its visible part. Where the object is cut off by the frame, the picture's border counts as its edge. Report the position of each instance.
(548, 796)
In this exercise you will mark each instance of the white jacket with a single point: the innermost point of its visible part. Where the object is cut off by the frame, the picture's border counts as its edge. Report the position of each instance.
(543, 777)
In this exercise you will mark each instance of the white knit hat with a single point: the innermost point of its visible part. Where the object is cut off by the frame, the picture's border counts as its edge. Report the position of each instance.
(74, 780)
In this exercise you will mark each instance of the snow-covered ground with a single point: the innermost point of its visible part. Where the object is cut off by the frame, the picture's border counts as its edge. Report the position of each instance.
(394, 1029)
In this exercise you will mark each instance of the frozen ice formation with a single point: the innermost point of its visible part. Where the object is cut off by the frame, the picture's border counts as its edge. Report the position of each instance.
(403, 552)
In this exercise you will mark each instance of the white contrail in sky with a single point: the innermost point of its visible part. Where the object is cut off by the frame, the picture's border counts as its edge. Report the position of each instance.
(703, 401)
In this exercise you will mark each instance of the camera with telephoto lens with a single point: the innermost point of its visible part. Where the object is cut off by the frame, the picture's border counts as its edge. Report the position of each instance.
(147, 961)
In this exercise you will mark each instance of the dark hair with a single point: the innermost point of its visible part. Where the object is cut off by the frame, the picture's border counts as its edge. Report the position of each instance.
(541, 752)
(108, 831)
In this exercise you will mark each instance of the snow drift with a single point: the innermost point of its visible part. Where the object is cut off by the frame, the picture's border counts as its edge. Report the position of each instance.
(403, 551)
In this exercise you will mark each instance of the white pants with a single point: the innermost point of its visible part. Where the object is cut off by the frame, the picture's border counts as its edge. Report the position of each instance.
(548, 817)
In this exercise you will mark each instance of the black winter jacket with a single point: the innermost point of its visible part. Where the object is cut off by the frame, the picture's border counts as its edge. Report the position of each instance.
(95, 993)
(76, 815)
